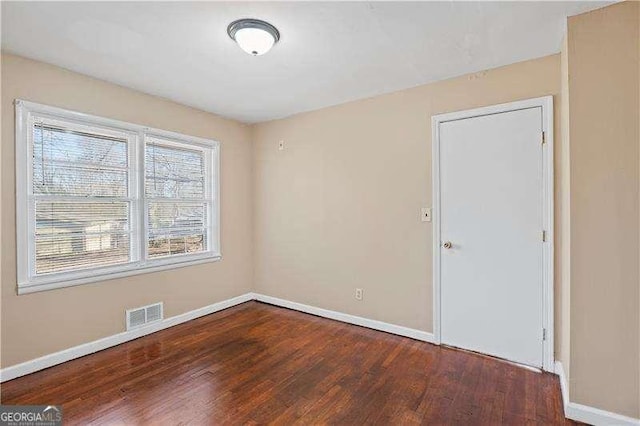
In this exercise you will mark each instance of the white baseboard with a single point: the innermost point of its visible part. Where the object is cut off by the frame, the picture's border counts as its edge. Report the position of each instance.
(350, 319)
(585, 413)
(107, 342)
(564, 386)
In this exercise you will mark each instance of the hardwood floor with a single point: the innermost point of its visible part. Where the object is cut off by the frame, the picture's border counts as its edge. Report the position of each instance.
(256, 363)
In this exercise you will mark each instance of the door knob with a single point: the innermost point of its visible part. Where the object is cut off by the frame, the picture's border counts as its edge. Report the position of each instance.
(447, 244)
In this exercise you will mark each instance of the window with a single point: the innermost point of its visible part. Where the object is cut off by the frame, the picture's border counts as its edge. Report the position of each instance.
(177, 203)
(98, 198)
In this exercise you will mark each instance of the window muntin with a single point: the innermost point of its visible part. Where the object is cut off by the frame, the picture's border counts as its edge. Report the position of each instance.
(98, 198)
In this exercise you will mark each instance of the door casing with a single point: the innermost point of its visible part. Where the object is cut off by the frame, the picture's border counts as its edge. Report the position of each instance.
(546, 104)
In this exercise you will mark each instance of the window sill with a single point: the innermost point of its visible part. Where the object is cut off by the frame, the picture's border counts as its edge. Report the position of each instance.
(52, 283)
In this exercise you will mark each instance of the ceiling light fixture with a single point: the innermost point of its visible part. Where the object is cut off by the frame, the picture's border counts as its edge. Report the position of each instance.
(254, 36)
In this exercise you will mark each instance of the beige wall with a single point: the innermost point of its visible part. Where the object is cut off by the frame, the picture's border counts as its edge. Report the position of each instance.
(339, 208)
(604, 114)
(45, 322)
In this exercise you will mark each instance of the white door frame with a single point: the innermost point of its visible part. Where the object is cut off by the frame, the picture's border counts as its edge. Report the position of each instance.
(546, 103)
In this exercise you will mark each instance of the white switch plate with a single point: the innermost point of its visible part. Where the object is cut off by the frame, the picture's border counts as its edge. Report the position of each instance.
(425, 214)
(281, 146)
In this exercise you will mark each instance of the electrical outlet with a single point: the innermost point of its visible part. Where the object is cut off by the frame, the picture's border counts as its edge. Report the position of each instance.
(358, 294)
(281, 146)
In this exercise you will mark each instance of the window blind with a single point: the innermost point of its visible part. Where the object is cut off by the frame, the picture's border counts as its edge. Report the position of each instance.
(73, 172)
(80, 235)
(177, 205)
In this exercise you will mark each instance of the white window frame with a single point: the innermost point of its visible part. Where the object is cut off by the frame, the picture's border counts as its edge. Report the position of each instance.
(28, 281)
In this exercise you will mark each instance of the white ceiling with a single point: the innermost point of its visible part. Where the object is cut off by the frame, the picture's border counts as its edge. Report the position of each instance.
(329, 52)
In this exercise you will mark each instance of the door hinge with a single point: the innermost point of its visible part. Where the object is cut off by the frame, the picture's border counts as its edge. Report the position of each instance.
(544, 236)
(544, 138)
(544, 334)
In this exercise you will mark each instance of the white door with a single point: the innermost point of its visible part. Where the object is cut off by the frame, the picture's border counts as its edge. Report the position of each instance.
(491, 206)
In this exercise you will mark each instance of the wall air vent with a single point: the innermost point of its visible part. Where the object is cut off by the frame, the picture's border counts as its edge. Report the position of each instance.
(144, 315)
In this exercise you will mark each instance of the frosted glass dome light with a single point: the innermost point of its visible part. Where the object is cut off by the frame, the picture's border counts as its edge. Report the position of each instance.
(253, 36)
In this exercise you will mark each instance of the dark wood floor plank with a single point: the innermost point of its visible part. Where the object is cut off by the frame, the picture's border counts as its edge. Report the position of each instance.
(260, 364)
